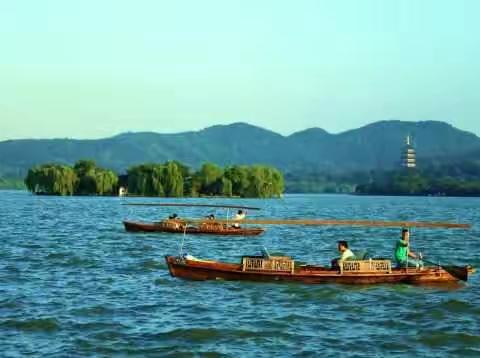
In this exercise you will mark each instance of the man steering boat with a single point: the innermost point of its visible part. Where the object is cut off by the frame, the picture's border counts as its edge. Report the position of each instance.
(403, 255)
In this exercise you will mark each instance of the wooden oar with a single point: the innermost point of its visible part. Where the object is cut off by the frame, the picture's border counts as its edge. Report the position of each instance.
(195, 205)
(330, 222)
(456, 271)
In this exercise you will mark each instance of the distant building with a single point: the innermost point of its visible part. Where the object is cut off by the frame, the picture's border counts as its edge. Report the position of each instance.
(122, 191)
(409, 157)
(123, 185)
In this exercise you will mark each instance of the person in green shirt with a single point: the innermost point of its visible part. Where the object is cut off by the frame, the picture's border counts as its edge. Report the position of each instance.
(403, 255)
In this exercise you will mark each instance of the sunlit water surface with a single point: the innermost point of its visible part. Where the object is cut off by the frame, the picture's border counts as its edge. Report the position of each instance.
(74, 283)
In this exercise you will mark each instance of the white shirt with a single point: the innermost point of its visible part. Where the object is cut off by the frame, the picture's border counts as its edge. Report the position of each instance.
(239, 216)
(346, 254)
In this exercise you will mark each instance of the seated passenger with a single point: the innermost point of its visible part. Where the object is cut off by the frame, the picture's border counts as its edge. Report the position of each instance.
(173, 220)
(345, 254)
(211, 223)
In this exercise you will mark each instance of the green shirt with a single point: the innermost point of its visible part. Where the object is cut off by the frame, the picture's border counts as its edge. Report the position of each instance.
(401, 251)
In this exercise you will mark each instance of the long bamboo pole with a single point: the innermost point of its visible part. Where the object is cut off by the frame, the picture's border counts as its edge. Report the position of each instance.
(194, 205)
(330, 222)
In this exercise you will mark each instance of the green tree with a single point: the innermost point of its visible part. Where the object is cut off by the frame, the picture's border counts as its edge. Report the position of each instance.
(84, 166)
(53, 179)
(146, 179)
(208, 175)
(85, 170)
(93, 180)
(184, 169)
(278, 183)
(106, 182)
(193, 185)
(173, 180)
(264, 182)
(153, 179)
(238, 175)
(226, 187)
(410, 182)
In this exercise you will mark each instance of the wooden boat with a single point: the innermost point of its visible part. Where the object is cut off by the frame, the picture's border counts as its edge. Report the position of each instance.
(268, 268)
(177, 226)
(210, 226)
(283, 269)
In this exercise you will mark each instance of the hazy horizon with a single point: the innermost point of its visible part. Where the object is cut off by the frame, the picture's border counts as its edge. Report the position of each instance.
(96, 69)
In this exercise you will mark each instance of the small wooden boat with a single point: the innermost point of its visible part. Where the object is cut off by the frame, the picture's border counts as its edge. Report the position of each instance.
(205, 226)
(283, 269)
(172, 226)
(268, 268)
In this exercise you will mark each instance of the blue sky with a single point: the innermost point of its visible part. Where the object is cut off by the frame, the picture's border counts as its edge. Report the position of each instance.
(89, 69)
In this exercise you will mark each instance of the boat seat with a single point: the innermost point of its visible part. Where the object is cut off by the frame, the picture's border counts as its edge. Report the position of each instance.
(272, 263)
(366, 266)
(360, 255)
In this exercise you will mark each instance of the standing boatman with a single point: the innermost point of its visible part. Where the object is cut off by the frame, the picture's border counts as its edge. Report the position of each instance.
(403, 256)
(240, 215)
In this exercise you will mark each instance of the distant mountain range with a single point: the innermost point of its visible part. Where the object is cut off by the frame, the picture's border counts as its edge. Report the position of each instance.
(374, 146)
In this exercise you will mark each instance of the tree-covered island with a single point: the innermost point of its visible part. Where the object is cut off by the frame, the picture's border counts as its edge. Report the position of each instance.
(169, 179)
(174, 179)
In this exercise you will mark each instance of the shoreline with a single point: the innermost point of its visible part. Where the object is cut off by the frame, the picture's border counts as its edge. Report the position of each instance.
(244, 198)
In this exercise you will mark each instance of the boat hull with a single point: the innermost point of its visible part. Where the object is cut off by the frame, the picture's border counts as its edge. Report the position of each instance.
(212, 270)
(210, 230)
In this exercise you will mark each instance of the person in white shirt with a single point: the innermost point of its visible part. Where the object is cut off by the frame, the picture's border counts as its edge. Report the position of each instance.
(345, 254)
(240, 215)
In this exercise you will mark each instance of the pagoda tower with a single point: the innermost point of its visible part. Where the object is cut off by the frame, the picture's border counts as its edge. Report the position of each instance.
(409, 159)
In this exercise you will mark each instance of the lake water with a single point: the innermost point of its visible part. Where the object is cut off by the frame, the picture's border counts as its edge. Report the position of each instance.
(74, 283)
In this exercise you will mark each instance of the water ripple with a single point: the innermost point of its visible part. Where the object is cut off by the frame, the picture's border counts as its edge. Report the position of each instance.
(74, 283)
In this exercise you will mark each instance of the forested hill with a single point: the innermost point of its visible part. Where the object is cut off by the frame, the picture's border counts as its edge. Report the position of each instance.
(374, 146)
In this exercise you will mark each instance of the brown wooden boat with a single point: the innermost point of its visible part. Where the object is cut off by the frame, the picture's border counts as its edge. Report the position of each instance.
(283, 269)
(180, 227)
(205, 226)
